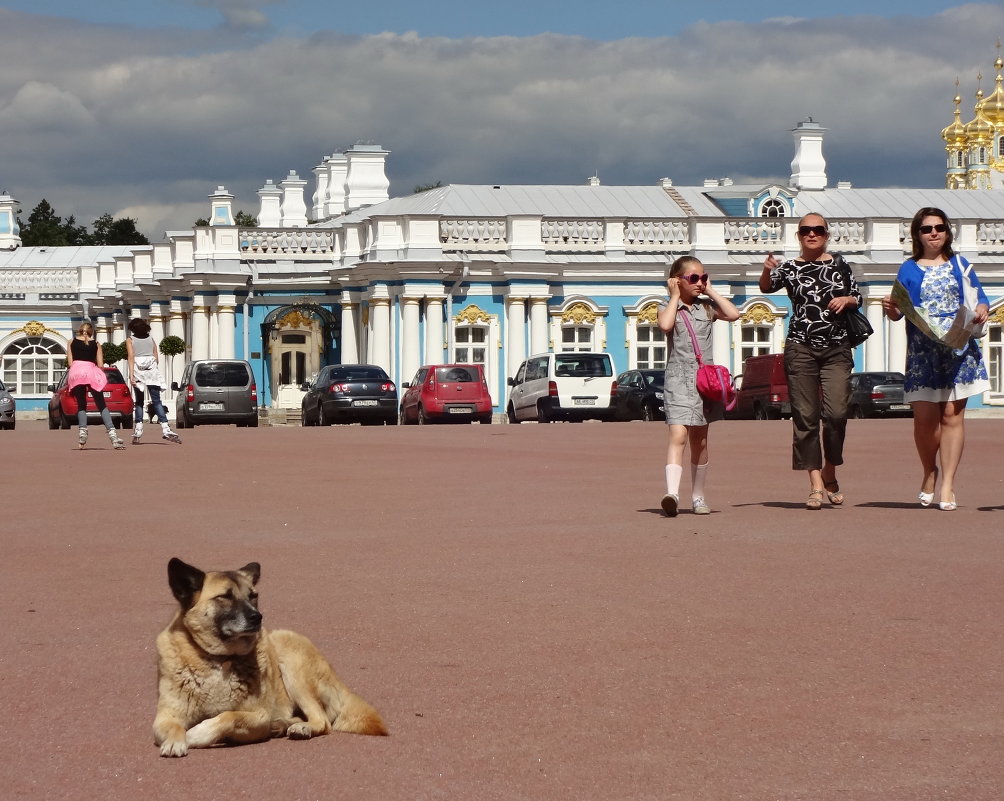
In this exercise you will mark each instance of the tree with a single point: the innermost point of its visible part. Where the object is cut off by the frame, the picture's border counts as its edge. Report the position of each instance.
(113, 353)
(121, 231)
(427, 187)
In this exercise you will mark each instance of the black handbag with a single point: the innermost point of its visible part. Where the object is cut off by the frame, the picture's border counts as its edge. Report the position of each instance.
(858, 327)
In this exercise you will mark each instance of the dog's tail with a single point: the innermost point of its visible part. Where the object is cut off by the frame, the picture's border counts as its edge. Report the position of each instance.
(355, 715)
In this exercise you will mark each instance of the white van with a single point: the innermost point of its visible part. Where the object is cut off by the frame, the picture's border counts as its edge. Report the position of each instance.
(563, 386)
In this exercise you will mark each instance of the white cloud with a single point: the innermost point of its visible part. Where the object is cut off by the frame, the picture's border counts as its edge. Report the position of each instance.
(101, 118)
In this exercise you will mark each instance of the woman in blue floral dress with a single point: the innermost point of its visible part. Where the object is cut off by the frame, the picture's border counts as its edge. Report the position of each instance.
(939, 379)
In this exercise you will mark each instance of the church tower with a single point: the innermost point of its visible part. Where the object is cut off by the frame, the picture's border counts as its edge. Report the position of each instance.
(976, 150)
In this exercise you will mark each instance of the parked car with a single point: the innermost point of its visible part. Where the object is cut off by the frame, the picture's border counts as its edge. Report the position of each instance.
(563, 386)
(446, 393)
(762, 389)
(639, 395)
(118, 398)
(7, 406)
(350, 393)
(878, 395)
(216, 391)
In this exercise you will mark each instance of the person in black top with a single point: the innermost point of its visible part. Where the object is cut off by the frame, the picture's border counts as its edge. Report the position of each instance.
(85, 360)
(817, 354)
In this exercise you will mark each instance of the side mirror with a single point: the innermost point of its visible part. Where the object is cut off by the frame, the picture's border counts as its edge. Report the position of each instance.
(50, 388)
(511, 382)
(405, 385)
(175, 387)
(304, 387)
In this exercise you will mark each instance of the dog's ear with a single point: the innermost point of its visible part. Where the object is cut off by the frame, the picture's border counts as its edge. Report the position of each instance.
(185, 581)
(253, 570)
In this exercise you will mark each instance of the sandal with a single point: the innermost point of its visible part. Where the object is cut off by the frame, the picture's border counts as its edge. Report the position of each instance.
(948, 506)
(833, 493)
(815, 500)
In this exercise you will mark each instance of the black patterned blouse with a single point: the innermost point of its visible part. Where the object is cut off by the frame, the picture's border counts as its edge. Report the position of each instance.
(811, 285)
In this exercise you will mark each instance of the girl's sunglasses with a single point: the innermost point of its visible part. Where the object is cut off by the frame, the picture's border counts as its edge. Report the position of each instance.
(694, 278)
(927, 229)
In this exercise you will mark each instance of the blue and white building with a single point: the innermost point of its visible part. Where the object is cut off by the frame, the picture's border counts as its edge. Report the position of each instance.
(488, 274)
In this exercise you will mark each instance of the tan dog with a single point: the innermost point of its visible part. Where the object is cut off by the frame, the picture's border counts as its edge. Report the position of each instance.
(225, 679)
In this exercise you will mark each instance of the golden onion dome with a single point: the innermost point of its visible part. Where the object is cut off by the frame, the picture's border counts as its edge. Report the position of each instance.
(979, 129)
(993, 106)
(955, 134)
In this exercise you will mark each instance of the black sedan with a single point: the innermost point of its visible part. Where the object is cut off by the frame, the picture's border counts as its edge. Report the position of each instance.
(639, 395)
(877, 395)
(350, 393)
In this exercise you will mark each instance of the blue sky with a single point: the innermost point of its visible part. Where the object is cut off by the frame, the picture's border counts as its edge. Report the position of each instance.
(142, 109)
(594, 19)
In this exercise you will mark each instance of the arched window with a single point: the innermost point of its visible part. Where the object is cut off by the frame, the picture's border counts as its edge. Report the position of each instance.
(982, 156)
(32, 363)
(995, 356)
(1000, 147)
(773, 208)
(960, 159)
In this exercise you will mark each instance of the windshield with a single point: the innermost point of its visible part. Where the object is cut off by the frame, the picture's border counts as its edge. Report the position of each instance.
(583, 365)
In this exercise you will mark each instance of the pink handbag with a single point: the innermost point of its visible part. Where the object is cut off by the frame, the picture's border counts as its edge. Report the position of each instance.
(714, 381)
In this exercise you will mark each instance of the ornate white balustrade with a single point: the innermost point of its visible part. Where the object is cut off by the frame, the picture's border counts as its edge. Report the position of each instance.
(754, 234)
(990, 235)
(269, 242)
(475, 234)
(656, 234)
(39, 280)
(576, 234)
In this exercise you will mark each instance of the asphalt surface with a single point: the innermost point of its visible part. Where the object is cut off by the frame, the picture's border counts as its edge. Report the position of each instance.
(517, 607)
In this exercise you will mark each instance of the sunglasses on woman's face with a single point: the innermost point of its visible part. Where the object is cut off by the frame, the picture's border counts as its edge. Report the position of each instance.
(818, 230)
(927, 229)
(695, 278)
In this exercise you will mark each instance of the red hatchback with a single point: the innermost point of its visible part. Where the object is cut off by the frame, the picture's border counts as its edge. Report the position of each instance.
(118, 399)
(447, 393)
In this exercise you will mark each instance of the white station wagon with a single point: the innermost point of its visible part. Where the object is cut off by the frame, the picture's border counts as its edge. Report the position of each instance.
(563, 386)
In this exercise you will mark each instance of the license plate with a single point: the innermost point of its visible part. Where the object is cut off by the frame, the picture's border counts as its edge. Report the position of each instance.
(461, 410)
(211, 407)
(107, 394)
(365, 403)
(900, 407)
(584, 401)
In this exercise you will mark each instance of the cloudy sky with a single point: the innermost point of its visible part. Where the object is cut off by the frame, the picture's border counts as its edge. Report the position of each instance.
(142, 109)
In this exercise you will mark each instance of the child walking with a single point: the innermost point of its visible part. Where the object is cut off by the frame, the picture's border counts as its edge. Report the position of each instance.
(144, 374)
(687, 413)
(85, 360)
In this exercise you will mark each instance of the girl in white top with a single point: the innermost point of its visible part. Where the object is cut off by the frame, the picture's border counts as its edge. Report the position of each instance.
(145, 375)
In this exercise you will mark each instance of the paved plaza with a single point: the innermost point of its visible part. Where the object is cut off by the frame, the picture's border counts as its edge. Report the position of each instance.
(516, 606)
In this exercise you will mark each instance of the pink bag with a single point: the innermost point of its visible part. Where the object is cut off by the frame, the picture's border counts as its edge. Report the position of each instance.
(714, 381)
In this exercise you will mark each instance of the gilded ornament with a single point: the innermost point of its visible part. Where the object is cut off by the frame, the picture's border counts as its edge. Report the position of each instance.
(578, 313)
(34, 328)
(472, 315)
(758, 314)
(295, 319)
(650, 314)
(997, 316)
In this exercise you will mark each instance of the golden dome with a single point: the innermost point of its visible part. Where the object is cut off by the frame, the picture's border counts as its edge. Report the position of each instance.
(978, 129)
(955, 134)
(993, 106)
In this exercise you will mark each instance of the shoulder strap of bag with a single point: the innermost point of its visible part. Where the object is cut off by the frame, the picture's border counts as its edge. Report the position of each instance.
(690, 329)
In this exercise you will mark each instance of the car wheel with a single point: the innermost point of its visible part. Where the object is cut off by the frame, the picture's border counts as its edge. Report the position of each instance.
(543, 414)
(322, 420)
(402, 417)
(510, 414)
(423, 418)
(127, 424)
(648, 412)
(53, 422)
(253, 421)
(64, 422)
(485, 419)
(857, 413)
(759, 413)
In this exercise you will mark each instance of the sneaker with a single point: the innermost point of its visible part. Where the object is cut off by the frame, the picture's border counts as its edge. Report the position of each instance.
(701, 507)
(670, 504)
(170, 436)
(117, 443)
(82, 437)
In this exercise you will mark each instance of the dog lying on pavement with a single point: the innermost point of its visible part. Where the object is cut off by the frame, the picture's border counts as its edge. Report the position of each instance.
(225, 679)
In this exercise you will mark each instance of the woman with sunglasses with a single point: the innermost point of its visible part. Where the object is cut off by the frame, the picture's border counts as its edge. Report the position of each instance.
(817, 354)
(939, 379)
(687, 413)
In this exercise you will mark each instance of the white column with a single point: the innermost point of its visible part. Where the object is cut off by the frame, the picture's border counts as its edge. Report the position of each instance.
(380, 332)
(721, 344)
(433, 330)
(350, 340)
(176, 328)
(539, 334)
(200, 328)
(158, 317)
(214, 330)
(411, 352)
(516, 330)
(875, 344)
(226, 326)
(897, 346)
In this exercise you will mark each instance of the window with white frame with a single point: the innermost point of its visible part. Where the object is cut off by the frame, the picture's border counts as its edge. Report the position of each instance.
(470, 344)
(576, 338)
(754, 340)
(772, 208)
(32, 363)
(1000, 146)
(650, 346)
(995, 357)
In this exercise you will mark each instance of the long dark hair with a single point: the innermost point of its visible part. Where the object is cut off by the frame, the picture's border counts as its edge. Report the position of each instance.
(918, 218)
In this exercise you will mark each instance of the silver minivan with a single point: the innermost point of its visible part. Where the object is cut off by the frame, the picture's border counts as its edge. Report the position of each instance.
(216, 391)
(563, 386)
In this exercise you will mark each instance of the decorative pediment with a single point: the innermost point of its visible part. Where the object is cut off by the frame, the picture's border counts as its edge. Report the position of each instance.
(758, 314)
(472, 315)
(34, 328)
(578, 313)
(649, 314)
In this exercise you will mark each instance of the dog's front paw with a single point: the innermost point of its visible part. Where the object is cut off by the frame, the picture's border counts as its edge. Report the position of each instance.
(173, 748)
(298, 731)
